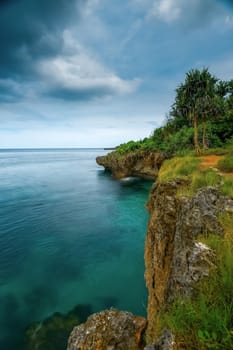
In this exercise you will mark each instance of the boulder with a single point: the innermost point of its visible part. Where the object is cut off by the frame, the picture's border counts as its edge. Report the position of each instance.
(109, 330)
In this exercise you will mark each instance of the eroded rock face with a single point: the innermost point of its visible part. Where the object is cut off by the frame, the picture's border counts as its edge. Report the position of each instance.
(109, 330)
(165, 342)
(139, 163)
(174, 259)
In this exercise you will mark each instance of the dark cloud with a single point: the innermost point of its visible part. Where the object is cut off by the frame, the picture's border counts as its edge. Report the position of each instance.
(30, 29)
(39, 33)
(229, 2)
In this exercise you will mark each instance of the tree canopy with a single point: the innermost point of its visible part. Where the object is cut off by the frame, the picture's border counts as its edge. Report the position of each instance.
(201, 117)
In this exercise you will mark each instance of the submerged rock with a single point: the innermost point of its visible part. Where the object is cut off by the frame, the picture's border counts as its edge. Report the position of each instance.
(142, 163)
(174, 259)
(53, 333)
(109, 330)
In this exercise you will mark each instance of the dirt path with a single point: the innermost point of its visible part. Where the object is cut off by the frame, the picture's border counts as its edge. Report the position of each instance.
(211, 161)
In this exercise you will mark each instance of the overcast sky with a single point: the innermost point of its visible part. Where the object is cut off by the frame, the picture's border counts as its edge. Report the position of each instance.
(94, 73)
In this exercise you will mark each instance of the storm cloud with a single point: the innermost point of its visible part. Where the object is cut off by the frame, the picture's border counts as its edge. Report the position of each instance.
(31, 29)
(37, 45)
(77, 72)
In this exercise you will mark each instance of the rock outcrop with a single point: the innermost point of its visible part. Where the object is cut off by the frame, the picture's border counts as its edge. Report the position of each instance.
(174, 259)
(141, 163)
(165, 342)
(109, 330)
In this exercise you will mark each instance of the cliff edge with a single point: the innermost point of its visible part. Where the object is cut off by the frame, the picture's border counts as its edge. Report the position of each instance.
(141, 163)
(189, 240)
(175, 260)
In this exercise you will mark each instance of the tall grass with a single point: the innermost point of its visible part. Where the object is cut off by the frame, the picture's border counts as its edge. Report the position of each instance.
(189, 167)
(204, 178)
(227, 187)
(178, 167)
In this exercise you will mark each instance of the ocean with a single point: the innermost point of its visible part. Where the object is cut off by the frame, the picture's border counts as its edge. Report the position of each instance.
(69, 234)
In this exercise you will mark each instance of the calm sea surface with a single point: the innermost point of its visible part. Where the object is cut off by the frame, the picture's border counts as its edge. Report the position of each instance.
(69, 234)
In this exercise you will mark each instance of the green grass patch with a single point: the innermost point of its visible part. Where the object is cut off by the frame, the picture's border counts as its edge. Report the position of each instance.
(178, 167)
(202, 179)
(206, 320)
(227, 187)
(226, 164)
(188, 167)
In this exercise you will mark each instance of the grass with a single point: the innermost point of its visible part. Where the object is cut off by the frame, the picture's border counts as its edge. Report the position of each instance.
(178, 167)
(206, 320)
(218, 151)
(188, 167)
(226, 164)
(227, 187)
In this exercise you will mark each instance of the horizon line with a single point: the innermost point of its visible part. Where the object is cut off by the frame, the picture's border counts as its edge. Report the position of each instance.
(47, 148)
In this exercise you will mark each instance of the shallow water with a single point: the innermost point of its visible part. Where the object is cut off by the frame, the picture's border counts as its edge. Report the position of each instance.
(69, 234)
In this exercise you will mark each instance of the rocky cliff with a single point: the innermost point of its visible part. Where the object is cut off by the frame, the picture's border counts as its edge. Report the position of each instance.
(175, 260)
(141, 163)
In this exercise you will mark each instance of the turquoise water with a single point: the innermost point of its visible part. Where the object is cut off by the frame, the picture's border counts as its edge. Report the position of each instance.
(69, 234)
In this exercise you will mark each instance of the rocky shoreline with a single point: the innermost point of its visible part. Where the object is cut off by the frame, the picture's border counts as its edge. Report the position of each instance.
(174, 258)
(141, 163)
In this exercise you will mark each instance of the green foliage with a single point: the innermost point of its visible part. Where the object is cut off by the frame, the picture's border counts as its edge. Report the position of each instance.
(202, 113)
(226, 164)
(128, 147)
(205, 321)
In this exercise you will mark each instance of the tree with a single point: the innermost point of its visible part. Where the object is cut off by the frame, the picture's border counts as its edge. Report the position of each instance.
(197, 101)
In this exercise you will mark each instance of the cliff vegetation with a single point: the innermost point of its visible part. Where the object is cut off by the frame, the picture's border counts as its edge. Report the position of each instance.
(199, 312)
(200, 118)
(189, 241)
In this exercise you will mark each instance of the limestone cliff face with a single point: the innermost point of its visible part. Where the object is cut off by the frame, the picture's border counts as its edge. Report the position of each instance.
(138, 163)
(174, 259)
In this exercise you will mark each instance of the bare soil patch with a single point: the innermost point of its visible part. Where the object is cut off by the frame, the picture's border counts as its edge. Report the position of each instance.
(211, 161)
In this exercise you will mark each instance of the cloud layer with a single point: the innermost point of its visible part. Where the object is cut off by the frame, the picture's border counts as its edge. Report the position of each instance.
(41, 54)
(102, 65)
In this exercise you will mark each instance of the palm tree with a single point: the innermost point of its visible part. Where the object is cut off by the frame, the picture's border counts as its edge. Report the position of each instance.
(196, 100)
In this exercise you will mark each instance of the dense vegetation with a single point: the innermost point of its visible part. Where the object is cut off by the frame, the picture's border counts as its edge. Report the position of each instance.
(201, 117)
(200, 120)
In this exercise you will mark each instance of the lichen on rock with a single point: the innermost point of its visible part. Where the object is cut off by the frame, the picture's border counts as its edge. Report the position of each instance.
(165, 342)
(109, 330)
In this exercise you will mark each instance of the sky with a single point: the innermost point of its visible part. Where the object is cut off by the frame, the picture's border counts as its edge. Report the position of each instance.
(96, 73)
